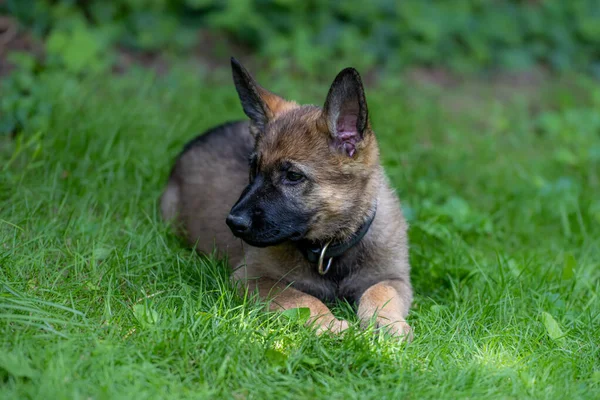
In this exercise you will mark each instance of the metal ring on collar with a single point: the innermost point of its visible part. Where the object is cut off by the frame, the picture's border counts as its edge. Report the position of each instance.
(321, 257)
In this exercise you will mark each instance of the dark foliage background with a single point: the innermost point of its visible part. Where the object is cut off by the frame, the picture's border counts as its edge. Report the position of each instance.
(462, 35)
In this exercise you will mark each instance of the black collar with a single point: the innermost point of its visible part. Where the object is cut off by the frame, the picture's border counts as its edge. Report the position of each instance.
(312, 250)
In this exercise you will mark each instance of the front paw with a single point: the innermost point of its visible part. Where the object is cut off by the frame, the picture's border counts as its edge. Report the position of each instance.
(398, 329)
(332, 325)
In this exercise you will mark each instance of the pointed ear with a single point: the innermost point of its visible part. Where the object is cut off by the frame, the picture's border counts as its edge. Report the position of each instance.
(346, 111)
(259, 104)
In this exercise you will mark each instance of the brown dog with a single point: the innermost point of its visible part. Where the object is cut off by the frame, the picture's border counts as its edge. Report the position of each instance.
(316, 210)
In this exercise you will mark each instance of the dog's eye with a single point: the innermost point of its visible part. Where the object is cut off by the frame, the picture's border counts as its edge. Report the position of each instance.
(293, 177)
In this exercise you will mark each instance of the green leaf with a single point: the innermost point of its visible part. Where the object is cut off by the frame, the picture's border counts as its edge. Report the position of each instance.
(552, 328)
(566, 156)
(297, 314)
(275, 357)
(437, 308)
(24, 61)
(101, 253)
(56, 42)
(146, 316)
(91, 286)
(16, 366)
(79, 50)
(568, 267)
(312, 361)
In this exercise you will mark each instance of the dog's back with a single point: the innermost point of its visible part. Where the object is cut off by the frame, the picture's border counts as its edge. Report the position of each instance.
(207, 178)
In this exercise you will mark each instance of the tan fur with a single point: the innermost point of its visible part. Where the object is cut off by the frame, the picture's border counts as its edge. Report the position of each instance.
(276, 104)
(382, 303)
(283, 297)
(209, 176)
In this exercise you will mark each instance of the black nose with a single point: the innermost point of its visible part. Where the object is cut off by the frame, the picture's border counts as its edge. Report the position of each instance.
(238, 223)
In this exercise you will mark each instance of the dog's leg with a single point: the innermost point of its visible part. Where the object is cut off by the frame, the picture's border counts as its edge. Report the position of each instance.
(282, 297)
(170, 201)
(387, 302)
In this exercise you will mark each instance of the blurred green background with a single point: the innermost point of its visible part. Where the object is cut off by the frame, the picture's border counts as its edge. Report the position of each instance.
(304, 39)
(309, 35)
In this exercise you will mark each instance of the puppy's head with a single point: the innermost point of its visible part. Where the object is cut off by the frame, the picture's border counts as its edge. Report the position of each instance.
(313, 172)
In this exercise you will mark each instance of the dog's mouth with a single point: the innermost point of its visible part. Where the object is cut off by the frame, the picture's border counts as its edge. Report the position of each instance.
(272, 237)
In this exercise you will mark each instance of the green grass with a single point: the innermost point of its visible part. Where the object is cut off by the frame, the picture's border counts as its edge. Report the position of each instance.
(98, 299)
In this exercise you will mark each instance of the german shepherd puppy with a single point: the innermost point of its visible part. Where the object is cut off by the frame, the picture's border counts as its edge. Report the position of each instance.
(316, 209)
